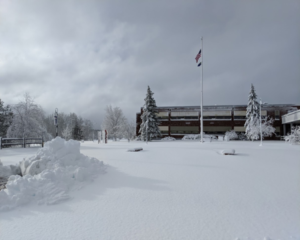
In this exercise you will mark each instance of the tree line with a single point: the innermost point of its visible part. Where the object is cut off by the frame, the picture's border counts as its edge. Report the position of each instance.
(28, 119)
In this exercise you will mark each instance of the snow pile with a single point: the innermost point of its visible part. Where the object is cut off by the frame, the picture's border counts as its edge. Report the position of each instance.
(50, 175)
(228, 152)
(168, 139)
(6, 171)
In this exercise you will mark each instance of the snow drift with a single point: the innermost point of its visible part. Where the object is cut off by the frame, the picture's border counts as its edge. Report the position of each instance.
(50, 175)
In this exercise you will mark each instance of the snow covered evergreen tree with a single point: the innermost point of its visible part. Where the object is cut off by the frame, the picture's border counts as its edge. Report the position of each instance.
(6, 116)
(252, 116)
(149, 126)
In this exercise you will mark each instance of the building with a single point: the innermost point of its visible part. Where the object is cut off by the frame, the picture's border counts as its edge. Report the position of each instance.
(217, 119)
(289, 120)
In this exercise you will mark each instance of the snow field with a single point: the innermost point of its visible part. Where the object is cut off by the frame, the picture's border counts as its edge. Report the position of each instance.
(175, 190)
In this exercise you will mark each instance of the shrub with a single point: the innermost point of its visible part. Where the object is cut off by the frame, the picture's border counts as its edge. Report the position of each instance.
(231, 135)
(294, 136)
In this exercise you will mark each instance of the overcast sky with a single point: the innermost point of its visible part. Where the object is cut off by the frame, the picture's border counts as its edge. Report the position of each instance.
(82, 55)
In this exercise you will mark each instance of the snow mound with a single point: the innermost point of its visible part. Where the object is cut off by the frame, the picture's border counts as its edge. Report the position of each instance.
(6, 171)
(49, 175)
(228, 152)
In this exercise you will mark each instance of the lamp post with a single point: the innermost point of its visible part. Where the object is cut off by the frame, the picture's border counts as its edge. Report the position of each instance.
(261, 136)
(56, 121)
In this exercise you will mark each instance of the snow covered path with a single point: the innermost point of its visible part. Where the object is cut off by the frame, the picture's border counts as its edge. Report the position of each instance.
(174, 190)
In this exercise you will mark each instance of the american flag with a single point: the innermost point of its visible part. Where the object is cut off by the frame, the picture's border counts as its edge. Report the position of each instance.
(198, 56)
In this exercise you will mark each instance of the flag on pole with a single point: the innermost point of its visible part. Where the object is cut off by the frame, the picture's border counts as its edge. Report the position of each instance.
(199, 64)
(198, 56)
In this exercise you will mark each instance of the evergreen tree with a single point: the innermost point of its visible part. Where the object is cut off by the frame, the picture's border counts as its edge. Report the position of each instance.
(77, 132)
(149, 126)
(252, 116)
(6, 116)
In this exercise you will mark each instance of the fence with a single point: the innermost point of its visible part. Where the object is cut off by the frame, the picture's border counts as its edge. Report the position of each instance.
(23, 142)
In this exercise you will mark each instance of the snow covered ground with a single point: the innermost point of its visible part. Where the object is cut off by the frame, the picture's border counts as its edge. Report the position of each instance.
(172, 190)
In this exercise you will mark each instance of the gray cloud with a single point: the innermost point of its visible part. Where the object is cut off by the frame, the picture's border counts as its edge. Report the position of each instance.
(81, 56)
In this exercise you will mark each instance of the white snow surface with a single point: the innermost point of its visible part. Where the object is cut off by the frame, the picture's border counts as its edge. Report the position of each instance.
(173, 190)
(49, 175)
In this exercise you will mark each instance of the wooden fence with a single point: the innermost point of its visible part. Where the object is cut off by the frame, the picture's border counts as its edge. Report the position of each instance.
(23, 142)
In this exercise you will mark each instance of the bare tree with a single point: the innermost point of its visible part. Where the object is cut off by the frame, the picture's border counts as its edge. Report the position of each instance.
(28, 119)
(129, 130)
(114, 121)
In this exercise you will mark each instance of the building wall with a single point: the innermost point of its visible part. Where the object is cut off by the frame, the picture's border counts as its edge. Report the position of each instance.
(179, 121)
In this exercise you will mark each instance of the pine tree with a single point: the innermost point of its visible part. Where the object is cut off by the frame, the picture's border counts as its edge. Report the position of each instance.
(77, 132)
(252, 116)
(149, 126)
(6, 116)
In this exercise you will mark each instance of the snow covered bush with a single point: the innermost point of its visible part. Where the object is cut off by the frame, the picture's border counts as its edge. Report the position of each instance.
(242, 136)
(294, 136)
(168, 139)
(231, 135)
(138, 138)
(49, 175)
(198, 136)
(191, 137)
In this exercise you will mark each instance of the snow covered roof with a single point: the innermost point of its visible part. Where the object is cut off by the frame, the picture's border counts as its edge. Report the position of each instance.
(222, 107)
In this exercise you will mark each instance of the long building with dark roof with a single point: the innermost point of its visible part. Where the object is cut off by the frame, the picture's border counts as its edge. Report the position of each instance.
(178, 121)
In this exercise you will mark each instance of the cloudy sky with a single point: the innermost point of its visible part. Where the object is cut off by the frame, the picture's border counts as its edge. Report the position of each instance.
(82, 55)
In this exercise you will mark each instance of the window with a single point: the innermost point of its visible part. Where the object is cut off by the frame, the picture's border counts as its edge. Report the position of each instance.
(277, 115)
(184, 116)
(222, 115)
(184, 130)
(164, 129)
(239, 115)
(162, 116)
(216, 129)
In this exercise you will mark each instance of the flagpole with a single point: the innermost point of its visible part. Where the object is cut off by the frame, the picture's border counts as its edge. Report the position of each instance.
(202, 94)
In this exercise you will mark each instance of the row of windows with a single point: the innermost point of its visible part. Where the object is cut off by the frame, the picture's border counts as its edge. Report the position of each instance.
(206, 118)
(175, 115)
(206, 129)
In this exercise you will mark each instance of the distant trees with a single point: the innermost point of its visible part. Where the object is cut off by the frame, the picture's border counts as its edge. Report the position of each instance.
(6, 116)
(114, 122)
(149, 127)
(129, 130)
(66, 125)
(28, 120)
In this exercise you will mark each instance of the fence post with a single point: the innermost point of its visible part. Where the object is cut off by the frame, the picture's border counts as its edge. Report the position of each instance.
(0, 142)
(24, 146)
(42, 141)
